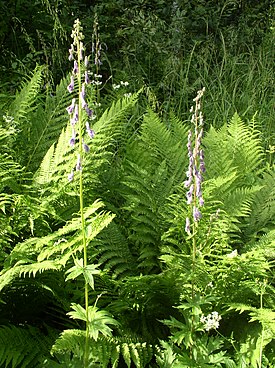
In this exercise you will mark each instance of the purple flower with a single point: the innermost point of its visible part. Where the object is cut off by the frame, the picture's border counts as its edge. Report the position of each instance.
(70, 108)
(189, 194)
(82, 96)
(72, 140)
(88, 111)
(74, 119)
(70, 87)
(201, 201)
(198, 187)
(202, 165)
(71, 176)
(85, 146)
(187, 226)
(196, 214)
(87, 80)
(188, 182)
(75, 69)
(83, 90)
(90, 132)
(71, 53)
(78, 166)
(189, 173)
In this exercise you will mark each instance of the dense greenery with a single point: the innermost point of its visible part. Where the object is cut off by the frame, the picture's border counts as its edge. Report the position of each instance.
(159, 249)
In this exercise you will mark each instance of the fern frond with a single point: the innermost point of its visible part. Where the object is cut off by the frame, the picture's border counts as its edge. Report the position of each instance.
(258, 335)
(162, 141)
(156, 163)
(234, 157)
(144, 200)
(234, 146)
(263, 207)
(265, 244)
(116, 112)
(104, 350)
(57, 162)
(24, 346)
(113, 252)
(246, 146)
(24, 102)
(53, 251)
(47, 123)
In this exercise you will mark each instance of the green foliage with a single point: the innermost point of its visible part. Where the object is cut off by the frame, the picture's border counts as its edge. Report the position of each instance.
(152, 290)
(98, 320)
(103, 351)
(24, 347)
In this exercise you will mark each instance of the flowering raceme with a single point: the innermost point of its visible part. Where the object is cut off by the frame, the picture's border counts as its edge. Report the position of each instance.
(78, 109)
(196, 165)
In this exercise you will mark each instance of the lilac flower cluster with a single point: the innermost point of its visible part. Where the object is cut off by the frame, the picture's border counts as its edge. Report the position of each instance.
(196, 166)
(79, 106)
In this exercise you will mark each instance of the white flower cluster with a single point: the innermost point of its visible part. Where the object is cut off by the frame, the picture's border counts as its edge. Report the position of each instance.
(127, 94)
(122, 84)
(211, 321)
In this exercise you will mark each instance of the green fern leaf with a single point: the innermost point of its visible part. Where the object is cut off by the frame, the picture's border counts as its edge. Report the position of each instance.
(24, 346)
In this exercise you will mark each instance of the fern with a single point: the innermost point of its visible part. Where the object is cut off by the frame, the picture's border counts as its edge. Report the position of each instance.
(24, 346)
(56, 163)
(234, 159)
(51, 179)
(47, 123)
(24, 102)
(262, 214)
(104, 350)
(21, 110)
(114, 253)
(155, 163)
(234, 146)
(258, 336)
(52, 251)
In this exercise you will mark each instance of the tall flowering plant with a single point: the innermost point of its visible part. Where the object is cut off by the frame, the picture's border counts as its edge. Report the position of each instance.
(196, 167)
(80, 114)
(195, 201)
(191, 331)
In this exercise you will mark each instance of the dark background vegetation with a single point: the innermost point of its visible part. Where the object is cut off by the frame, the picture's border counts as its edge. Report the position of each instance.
(172, 47)
(39, 31)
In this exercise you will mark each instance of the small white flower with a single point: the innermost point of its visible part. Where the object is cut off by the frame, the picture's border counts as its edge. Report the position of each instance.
(232, 254)
(116, 86)
(98, 76)
(124, 83)
(127, 95)
(211, 321)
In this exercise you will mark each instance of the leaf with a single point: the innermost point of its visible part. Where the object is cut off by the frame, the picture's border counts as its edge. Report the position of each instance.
(88, 272)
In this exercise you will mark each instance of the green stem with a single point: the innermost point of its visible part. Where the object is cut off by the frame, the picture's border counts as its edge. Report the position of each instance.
(262, 335)
(81, 203)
